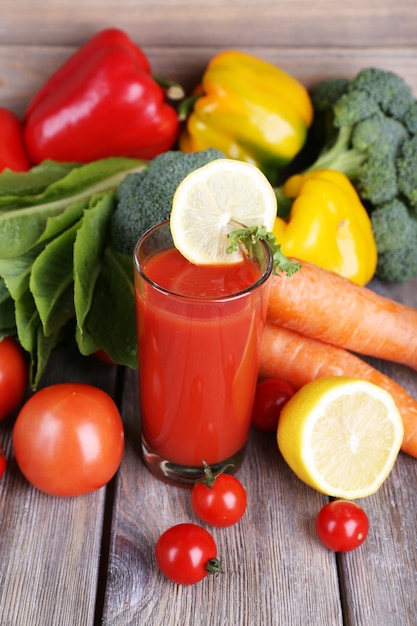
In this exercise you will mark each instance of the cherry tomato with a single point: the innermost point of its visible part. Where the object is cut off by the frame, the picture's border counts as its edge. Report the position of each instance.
(342, 525)
(270, 397)
(187, 553)
(2, 461)
(219, 499)
(14, 376)
(68, 439)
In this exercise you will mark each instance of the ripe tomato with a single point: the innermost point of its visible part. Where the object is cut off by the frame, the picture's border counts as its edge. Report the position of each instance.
(187, 553)
(270, 397)
(68, 439)
(219, 499)
(14, 376)
(342, 525)
(2, 461)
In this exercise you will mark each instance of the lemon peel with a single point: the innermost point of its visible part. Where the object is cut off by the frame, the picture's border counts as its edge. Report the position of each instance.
(341, 436)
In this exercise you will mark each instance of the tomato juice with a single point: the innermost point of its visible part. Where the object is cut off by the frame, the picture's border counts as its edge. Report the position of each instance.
(199, 335)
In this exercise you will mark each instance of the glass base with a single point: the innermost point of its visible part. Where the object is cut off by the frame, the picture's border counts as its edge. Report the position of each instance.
(185, 475)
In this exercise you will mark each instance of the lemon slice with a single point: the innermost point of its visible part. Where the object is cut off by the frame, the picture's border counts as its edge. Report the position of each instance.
(341, 436)
(214, 200)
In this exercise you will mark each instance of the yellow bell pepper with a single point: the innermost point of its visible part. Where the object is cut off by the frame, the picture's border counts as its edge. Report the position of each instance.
(328, 225)
(249, 109)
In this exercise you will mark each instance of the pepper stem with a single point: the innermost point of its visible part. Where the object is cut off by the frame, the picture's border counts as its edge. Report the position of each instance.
(174, 91)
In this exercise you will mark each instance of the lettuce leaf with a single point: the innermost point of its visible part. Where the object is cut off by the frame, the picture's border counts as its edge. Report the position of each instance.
(58, 271)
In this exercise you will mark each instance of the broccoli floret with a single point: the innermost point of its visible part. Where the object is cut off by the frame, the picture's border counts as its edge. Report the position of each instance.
(388, 89)
(378, 182)
(327, 92)
(144, 199)
(353, 107)
(395, 233)
(410, 119)
(407, 170)
(379, 134)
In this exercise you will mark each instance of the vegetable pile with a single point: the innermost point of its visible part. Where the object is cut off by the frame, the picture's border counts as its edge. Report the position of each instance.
(68, 224)
(73, 203)
(67, 233)
(303, 343)
(367, 127)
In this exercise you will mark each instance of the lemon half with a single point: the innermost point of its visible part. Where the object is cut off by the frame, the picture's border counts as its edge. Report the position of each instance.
(214, 200)
(341, 436)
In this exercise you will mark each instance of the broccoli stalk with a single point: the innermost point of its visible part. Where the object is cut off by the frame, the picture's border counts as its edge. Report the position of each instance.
(340, 155)
(368, 127)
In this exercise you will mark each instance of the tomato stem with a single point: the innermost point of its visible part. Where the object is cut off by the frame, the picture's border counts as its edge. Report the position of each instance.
(209, 477)
(214, 566)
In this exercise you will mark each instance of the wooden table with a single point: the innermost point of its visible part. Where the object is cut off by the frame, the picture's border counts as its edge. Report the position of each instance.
(90, 560)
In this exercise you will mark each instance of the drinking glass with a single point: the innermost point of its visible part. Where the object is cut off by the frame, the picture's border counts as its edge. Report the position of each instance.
(198, 359)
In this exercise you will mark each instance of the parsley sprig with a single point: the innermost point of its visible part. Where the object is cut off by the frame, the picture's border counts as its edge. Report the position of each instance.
(250, 238)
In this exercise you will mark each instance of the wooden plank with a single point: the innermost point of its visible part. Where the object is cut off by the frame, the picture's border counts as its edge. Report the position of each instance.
(50, 546)
(24, 71)
(283, 23)
(310, 39)
(381, 586)
(380, 582)
(273, 563)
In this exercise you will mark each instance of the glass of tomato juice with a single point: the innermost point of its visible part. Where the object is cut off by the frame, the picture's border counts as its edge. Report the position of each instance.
(199, 331)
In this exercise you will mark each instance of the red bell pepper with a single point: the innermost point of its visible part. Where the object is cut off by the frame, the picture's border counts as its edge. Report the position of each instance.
(12, 149)
(102, 102)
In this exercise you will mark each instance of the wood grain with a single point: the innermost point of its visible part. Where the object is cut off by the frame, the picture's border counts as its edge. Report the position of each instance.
(50, 547)
(89, 561)
(268, 558)
(310, 39)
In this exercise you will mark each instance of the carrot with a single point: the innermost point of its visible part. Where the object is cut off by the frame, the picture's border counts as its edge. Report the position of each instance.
(324, 305)
(299, 359)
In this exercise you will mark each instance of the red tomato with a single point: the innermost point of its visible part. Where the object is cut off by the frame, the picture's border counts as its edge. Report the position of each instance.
(342, 525)
(270, 397)
(14, 376)
(68, 439)
(187, 553)
(219, 499)
(2, 461)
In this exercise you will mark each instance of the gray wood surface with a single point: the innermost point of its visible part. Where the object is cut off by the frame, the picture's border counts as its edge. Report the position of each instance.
(90, 560)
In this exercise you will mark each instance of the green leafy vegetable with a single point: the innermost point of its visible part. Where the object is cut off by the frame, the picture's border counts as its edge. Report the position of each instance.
(7, 318)
(51, 282)
(58, 274)
(250, 238)
(88, 252)
(23, 219)
(115, 331)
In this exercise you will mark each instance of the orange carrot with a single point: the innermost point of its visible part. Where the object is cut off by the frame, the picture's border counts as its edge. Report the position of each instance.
(299, 359)
(329, 307)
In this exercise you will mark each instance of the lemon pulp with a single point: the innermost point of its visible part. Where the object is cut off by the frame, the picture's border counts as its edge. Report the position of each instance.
(215, 200)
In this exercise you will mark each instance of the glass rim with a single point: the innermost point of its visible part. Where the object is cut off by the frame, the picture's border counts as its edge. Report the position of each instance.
(266, 273)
